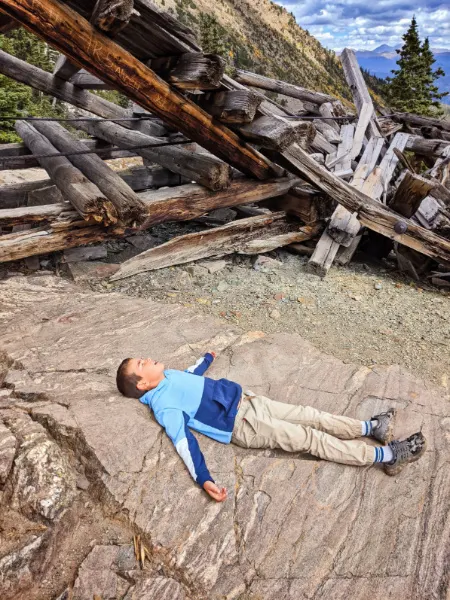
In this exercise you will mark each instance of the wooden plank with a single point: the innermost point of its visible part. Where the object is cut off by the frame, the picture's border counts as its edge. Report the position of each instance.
(331, 134)
(344, 151)
(67, 92)
(389, 163)
(361, 97)
(86, 198)
(277, 134)
(219, 241)
(176, 204)
(128, 207)
(323, 255)
(75, 37)
(287, 89)
(197, 166)
(371, 213)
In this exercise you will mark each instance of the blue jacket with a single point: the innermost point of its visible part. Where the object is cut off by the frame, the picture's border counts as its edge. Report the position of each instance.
(185, 399)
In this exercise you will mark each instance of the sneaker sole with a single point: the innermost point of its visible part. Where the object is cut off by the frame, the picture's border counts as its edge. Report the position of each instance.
(396, 469)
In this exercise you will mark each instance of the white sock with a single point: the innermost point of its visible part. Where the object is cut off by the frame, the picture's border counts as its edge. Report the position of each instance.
(384, 454)
(367, 426)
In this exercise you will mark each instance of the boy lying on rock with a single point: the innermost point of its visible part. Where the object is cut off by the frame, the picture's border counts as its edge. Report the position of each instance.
(184, 400)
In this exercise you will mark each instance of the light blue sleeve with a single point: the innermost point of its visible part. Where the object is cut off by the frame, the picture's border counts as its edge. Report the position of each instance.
(201, 365)
(175, 422)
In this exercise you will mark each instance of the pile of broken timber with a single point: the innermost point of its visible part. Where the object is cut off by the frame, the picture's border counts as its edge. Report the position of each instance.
(322, 175)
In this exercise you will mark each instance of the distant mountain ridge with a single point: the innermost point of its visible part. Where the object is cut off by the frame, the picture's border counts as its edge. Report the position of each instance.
(382, 60)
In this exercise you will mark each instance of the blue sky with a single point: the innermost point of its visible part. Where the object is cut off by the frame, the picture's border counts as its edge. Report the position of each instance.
(364, 25)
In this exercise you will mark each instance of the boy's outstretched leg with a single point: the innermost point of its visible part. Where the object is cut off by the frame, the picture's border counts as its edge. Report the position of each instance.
(380, 427)
(255, 427)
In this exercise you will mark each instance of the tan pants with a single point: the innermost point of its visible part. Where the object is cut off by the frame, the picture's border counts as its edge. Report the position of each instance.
(264, 423)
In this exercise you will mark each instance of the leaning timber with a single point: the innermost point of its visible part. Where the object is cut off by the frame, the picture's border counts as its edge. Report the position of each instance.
(67, 92)
(419, 121)
(112, 17)
(371, 213)
(240, 236)
(410, 193)
(129, 208)
(86, 197)
(198, 166)
(287, 89)
(175, 204)
(77, 39)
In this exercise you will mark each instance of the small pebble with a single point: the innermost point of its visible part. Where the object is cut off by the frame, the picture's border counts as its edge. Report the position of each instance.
(378, 286)
(275, 314)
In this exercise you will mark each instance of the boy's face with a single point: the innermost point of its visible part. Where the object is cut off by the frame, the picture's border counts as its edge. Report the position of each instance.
(148, 370)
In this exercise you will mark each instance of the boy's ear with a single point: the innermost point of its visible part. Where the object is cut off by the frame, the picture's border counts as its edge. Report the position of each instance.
(142, 384)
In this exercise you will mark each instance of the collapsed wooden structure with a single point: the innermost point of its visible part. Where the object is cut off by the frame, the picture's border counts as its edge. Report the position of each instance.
(210, 141)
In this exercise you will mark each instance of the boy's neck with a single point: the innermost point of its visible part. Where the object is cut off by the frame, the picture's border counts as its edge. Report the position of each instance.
(154, 384)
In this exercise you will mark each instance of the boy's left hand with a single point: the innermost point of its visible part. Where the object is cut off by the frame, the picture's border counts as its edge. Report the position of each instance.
(213, 354)
(213, 490)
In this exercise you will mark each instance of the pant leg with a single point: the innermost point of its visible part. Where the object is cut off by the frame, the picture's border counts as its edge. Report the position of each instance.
(256, 428)
(339, 426)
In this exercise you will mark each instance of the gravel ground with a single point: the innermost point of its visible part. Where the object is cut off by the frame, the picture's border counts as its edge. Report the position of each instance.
(365, 313)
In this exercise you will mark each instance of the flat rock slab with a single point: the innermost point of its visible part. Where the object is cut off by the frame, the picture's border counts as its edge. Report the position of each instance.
(293, 528)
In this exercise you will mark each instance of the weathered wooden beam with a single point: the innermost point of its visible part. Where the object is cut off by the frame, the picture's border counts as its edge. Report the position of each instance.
(429, 148)
(305, 203)
(67, 92)
(410, 193)
(86, 81)
(42, 191)
(234, 107)
(182, 203)
(276, 134)
(191, 71)
(371, 213)
(239, 236)
(18, 156)
(65, 68)
(129, 208)
(420, 121)
(86, 198)
(203, 168)
(344, 150)
(331, 134)
(75, 37)
(112, 17)
(323, 256)
(362, 99)
(287, 89)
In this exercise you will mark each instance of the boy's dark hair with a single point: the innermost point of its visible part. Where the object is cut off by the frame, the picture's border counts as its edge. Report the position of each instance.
(127, 382)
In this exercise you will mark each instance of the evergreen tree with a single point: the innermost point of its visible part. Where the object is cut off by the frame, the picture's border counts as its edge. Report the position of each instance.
(431, 90)
(19, 100)
(412, 88)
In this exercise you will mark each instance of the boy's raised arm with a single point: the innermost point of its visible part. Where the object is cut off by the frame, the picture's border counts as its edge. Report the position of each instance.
(202, 364)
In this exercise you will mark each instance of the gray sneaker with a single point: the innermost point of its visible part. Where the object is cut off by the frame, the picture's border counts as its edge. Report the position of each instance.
(405, 452)
(384, 431)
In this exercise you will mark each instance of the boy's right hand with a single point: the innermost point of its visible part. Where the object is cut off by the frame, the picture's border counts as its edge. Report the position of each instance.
(217, 493)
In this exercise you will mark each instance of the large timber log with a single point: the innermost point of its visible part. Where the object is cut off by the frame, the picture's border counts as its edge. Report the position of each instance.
(67, 92)
(410, 193)
(129, 208)
(278, 134)
(112, 17)
(287, 89)
(85, 196)
(235, 107)
(371, 213)
(79, 40)
(430, 148)
(198, 166)
(253, 235)
(176, 204)
(420, 121)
